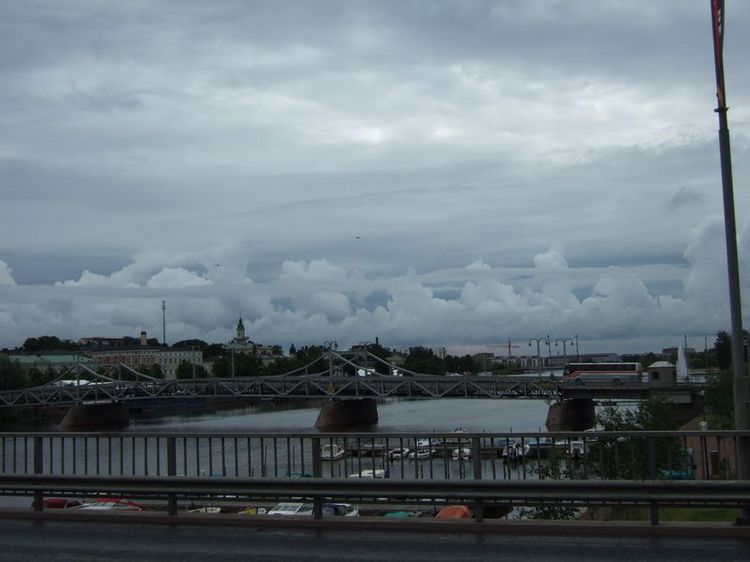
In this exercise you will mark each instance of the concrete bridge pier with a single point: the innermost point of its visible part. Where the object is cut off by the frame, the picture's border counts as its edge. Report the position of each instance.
(575, 414)
(347, 413)
(96, 416)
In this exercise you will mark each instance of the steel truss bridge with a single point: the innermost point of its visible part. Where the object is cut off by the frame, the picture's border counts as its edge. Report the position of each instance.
(82, 384)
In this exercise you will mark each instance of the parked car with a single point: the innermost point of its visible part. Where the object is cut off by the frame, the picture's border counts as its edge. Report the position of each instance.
(306, 509)
(291, 508)
(60, 503)
(118, 504)
(454, 512)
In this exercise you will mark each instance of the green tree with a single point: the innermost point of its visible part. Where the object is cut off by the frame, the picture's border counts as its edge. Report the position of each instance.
(423, 360)
(244, 366)
(154, 371)
(213, 350)
(552, 470)
(627, 457)
(187, 344)
(283, 365)
(11, 374)
(42, 343)
(38, 377)
(723, 347)
(185, 371)
(719, 401)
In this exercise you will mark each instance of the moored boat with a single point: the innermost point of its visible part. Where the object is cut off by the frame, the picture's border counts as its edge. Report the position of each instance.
(331, 452)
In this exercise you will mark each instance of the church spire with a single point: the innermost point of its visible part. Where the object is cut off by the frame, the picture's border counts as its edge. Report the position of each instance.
(240, 331)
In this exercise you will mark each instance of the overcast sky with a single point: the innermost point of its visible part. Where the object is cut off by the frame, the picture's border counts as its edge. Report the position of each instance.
(441, 173)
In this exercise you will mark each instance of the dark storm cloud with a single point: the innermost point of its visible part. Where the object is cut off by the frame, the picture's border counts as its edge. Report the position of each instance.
(428, 171)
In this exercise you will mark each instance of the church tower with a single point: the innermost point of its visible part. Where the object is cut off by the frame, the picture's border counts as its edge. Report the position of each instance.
(240, 332)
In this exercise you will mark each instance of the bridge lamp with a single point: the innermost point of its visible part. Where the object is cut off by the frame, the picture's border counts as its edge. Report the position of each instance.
(329, 346)
(364, 344)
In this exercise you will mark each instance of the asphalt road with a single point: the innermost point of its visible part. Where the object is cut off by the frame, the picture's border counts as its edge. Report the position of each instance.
(84, 541)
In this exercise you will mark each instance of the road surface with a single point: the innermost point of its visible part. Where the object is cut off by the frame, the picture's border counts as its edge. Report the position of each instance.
(113, 542)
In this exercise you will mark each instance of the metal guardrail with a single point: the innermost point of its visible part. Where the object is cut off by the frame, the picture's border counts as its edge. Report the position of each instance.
(441, 456)
(479, 494)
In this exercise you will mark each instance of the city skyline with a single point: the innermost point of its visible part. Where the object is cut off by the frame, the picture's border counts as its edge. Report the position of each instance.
(435, 173)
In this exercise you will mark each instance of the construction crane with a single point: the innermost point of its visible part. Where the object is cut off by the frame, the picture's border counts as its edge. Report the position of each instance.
(509, 346)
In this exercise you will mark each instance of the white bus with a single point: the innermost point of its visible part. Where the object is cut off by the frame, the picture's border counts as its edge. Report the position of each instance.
(614, 373)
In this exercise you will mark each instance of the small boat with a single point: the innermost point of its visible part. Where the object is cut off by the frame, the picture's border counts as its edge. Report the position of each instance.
(421, 454)
(369, 473)
(428, 442)
(515, 451)
(458, 432)
(366, 448)
(396, 454)
(461, 454)
(331, 452)
(576, 450)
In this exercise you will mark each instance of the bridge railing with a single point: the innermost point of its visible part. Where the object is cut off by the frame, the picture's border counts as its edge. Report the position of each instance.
(674, 455)
(481, 496)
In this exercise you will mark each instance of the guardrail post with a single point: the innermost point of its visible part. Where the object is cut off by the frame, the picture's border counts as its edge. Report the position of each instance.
(476, 461)
(172, 471)
(317, 469)
(476, 457)
(38, 469)
(653, 507)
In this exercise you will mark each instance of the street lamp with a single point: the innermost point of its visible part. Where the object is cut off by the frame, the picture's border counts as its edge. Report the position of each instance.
(538, 342)
(364, 344)
(329, 346)
(564, 342)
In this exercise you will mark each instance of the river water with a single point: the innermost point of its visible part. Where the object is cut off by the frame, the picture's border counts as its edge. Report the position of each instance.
(397, 416)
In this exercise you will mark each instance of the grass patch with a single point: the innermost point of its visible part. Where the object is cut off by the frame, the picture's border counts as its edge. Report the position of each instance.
(697, 514)
(710, 514)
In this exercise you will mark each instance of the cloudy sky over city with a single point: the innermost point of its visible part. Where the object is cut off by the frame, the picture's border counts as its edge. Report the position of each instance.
(453, 173)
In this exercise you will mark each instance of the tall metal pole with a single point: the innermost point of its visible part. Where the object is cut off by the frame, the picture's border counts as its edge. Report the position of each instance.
(329, 346)
(741, 386)
(164, 323)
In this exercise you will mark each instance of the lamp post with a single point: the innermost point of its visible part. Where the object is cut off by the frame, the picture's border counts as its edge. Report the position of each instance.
(538, 342)
(364, 344)
(741, 380)
(329, 346)
(564, 342)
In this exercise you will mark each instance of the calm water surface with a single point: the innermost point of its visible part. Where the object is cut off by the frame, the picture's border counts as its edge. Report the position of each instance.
(394, 416)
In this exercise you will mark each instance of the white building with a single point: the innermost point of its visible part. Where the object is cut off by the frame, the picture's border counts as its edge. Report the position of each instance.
(142, 357)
